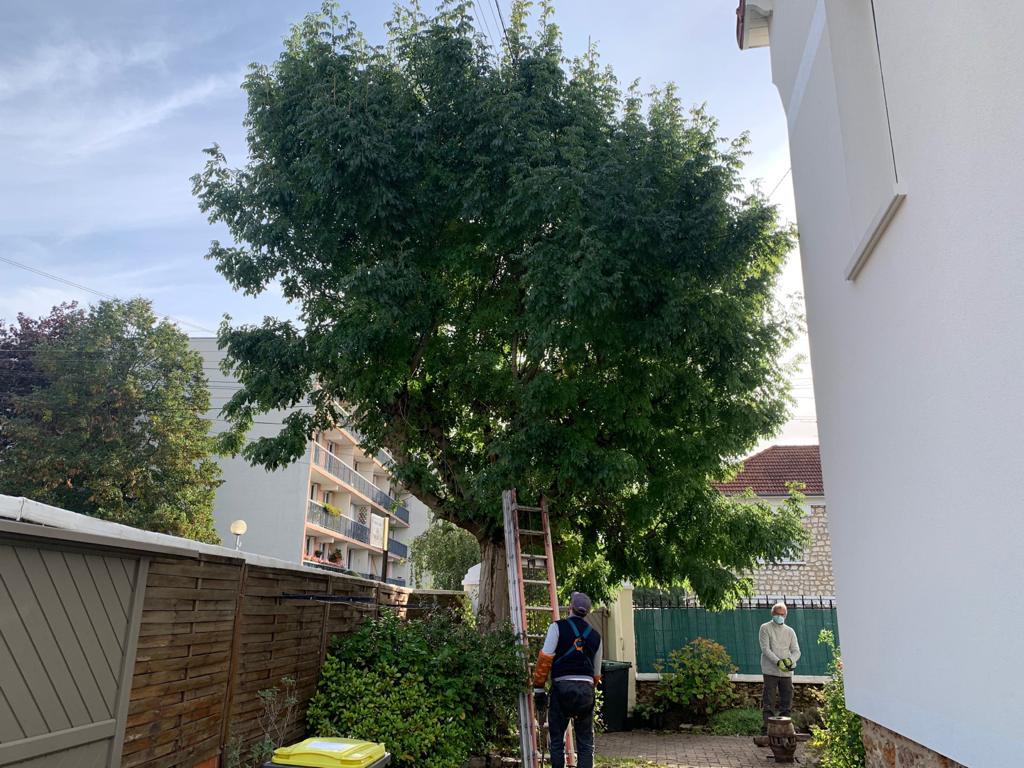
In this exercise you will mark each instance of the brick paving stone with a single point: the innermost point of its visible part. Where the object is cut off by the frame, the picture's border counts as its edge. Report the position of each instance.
(684, 750)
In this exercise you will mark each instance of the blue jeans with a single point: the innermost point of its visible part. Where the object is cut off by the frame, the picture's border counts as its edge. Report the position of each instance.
(572, 700)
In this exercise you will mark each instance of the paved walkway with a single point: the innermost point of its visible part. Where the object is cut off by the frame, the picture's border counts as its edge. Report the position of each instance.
(688, 751)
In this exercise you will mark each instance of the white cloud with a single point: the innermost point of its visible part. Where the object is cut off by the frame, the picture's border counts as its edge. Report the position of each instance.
(75, 64)
(73, 131)
(88, 137)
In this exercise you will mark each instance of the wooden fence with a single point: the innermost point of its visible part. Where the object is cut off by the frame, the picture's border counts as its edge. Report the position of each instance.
(185, 639)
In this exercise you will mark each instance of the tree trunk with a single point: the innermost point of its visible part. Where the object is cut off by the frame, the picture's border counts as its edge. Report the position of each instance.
(493, 610)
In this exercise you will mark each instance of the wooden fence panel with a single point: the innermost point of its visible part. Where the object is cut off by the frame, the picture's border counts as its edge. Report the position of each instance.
(182, 663)
(68, 625)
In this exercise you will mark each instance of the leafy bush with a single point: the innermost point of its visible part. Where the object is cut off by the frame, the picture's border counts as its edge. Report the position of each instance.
(698, 678)
(445, 552)
(648, 715)
(737, 722)
(838, 742)
(434, 690)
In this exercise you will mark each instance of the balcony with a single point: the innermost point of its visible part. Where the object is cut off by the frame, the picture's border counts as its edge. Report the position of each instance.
(326, 565)
(398, 549)
(351, 529)
(346, 474)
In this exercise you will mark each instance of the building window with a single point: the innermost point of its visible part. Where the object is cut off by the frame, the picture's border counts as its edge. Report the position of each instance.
(314, 491)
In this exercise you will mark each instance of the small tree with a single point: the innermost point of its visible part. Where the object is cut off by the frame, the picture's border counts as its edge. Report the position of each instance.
(444, 552)
(838, 741)
(107, 418)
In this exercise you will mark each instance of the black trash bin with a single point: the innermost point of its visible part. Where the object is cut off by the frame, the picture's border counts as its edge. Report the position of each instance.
(615, 688)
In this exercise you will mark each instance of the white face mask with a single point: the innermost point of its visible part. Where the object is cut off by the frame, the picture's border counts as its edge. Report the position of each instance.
(779, 619)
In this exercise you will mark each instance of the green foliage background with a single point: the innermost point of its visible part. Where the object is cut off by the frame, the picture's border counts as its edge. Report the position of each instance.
(104, 413)
(434, 691)
(838, 740)
(444, 552)
(517, 274)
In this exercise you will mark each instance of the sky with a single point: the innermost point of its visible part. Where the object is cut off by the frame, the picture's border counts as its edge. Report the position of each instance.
(106, 106)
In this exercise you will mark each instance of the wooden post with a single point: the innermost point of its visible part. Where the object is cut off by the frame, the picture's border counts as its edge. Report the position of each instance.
(236, 641)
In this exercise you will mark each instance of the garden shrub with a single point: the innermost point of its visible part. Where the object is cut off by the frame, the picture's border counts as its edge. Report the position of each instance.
(838, 742)
(737, 722)
(433, 690)
(698, 678)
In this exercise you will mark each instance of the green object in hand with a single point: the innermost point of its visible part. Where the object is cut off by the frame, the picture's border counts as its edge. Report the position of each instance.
(782, 665)
(789, 664)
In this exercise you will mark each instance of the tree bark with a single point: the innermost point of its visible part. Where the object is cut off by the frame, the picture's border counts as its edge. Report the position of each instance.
(493, 606)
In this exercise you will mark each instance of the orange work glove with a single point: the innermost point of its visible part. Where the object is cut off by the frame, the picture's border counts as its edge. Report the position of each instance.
(542, 669)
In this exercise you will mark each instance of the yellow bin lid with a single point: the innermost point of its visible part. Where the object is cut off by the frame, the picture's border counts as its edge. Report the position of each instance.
(330, 753)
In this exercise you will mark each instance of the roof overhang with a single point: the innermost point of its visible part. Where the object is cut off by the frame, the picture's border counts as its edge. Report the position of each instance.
(752, 23)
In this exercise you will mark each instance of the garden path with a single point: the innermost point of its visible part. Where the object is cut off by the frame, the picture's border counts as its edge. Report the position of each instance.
(684, 750)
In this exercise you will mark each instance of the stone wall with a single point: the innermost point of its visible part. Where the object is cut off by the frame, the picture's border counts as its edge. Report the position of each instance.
(805, 695)
(813, 576)
(887, 749)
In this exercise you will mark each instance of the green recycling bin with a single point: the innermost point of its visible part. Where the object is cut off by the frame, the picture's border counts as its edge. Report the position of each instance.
(615, 687)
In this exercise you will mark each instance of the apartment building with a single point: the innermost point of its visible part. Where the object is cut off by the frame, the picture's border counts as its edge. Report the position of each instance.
(335, 508)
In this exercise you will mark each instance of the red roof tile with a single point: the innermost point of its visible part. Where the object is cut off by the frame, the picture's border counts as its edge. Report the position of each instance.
(767, 472)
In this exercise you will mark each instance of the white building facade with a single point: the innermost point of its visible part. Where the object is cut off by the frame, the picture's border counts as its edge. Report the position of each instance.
(905, 124)
(336, 508)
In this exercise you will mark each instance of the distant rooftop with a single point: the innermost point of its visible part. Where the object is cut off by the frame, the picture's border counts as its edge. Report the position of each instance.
(768, 472)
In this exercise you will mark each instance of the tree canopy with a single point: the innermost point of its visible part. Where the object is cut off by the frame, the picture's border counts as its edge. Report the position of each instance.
(444, 552)
(104, 414)
(515, 274)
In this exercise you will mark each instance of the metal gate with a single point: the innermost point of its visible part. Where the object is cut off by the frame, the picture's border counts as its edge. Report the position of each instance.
(69, 621)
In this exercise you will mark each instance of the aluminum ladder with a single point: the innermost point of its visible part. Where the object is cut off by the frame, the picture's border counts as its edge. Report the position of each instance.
(533, 570)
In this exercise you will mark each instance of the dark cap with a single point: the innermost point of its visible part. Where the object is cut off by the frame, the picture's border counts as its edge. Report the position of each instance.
(579, 604)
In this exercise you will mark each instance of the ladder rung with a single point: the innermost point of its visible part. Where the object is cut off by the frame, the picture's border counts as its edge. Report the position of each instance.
(535, 637)
(522, 508)
(538, 608)
(545, 582)
(531, 556)
(528, 532)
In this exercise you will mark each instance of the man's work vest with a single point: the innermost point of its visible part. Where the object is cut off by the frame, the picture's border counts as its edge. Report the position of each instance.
(577, 646)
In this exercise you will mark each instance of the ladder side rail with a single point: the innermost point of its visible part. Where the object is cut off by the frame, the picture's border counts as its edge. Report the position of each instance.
(550, 560)
(517, 610)
(549, 550)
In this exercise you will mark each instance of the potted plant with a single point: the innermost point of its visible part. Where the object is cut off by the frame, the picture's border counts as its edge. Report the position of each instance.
(332, 510)
(318, 554)
(335, 556)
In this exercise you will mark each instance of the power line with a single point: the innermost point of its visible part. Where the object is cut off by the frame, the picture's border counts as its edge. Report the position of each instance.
(504, 30)
(779, 182)
(483, 18)
(93, 291)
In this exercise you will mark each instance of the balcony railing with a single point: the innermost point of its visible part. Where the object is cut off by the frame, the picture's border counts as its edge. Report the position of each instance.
(324, 458)
(346, 526)
(382, 456)
(398, 549)
(326, 565)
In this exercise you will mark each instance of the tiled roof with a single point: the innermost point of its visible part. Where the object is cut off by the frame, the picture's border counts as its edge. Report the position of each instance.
(768, 472)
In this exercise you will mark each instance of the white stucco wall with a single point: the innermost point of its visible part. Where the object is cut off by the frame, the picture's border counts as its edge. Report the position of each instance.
(271, 503)
(918, 363)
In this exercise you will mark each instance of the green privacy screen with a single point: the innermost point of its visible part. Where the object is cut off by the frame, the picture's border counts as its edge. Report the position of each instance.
(660, 630)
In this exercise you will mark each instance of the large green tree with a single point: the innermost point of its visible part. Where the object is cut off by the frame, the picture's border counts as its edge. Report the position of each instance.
(516, 275)
(105, 415)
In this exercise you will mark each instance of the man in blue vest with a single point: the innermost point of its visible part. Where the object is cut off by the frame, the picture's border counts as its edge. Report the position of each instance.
(572, 655)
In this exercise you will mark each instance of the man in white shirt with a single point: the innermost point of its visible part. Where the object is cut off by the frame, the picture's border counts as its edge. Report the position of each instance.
(572, 655)
(780, 652)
